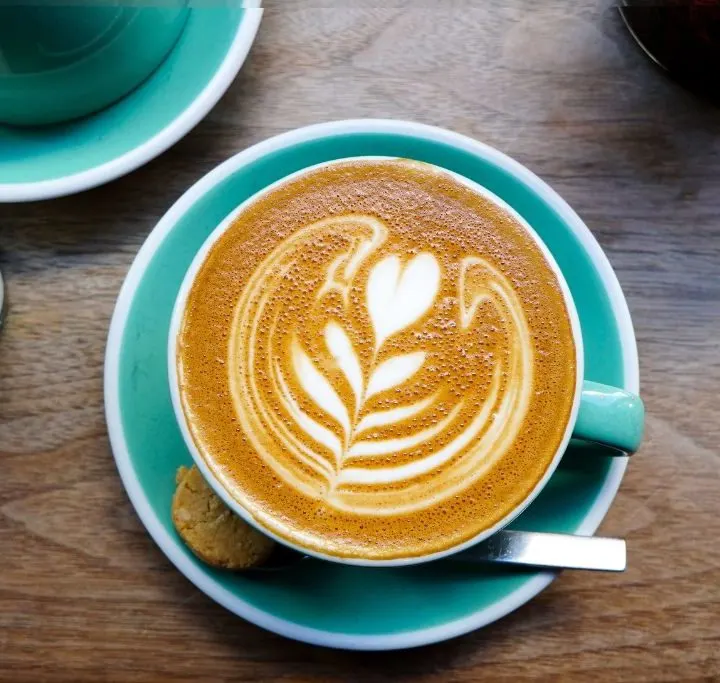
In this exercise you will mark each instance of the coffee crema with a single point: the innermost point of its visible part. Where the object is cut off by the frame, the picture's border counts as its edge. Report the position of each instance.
(376, 361)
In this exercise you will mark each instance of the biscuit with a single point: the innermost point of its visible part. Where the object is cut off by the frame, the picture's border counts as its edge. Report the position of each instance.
(211, 530)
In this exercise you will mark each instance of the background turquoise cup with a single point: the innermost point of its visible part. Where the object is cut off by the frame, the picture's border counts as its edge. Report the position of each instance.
(60, 62)
(42, 162)
(323, 602)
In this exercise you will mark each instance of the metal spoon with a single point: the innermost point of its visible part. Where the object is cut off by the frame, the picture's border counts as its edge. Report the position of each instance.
(519, 548)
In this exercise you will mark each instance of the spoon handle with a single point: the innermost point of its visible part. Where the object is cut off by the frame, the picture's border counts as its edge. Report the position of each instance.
(549, 551)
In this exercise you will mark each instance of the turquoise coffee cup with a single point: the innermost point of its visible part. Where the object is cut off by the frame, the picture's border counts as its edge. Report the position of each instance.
(601, 414)
(60, 62)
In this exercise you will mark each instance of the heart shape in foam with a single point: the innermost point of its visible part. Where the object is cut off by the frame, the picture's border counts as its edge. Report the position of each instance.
(397, 296)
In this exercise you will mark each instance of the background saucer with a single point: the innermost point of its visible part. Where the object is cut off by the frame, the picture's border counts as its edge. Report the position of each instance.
(319, 602)
(51, 161)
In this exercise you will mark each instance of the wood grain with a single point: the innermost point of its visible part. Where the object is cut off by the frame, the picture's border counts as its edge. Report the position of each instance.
(84, 593)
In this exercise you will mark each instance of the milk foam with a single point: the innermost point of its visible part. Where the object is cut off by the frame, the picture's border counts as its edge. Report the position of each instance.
(331, 432)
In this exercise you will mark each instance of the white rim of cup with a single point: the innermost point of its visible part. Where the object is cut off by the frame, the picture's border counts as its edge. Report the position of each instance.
(180, 126)
(171, 545)
(233, 503)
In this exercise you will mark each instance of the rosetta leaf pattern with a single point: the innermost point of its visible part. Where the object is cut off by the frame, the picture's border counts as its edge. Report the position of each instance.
(341, 347)
(331, 416)
(396, 297)
(382, 418)
(319, 389)
(393, 372)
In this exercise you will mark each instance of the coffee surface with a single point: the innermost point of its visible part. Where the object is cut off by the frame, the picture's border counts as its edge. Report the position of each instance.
(376, 360)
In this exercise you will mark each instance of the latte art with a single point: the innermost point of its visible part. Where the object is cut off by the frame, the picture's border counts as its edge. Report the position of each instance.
(330, 396)
(376, 361)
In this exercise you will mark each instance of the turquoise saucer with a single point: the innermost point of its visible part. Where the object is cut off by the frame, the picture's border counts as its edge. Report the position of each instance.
(51, 161)
(319, 602)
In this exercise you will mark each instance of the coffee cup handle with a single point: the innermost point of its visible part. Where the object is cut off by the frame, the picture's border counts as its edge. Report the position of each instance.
(611, 417)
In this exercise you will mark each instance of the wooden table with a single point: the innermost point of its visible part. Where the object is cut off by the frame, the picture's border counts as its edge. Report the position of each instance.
(84, 593)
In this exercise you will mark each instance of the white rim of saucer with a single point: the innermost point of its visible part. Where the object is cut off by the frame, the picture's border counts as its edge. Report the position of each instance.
(180, 126)
(170, 544)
